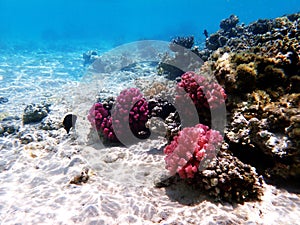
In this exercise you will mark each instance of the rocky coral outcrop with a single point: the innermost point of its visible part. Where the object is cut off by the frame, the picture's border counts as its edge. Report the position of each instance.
(34, 113)
(259, 69)
(229, 179)
(9, 126)
(186, 58)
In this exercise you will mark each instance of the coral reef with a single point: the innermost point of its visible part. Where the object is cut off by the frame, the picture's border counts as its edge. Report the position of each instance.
(158, 88)
(160, 108)
(229, 23)
(259, 69)
(169, 123)
(277, 35)
(192, 100)
(186, 42)
(196, 154)
(204, 93)
(189, 150)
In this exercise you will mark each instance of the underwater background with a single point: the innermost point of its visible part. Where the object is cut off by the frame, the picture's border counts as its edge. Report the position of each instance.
(228, 153)
(118, 22)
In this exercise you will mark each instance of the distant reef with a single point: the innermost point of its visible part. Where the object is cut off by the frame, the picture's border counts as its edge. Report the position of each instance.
(258, 65)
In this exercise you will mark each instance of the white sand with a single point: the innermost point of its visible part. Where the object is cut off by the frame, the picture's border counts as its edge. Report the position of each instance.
(35, 189)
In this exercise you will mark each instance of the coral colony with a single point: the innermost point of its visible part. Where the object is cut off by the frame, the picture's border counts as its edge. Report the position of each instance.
(189, 148)
(110, 123)
(262, 99)
(130, 107)
(203, 93)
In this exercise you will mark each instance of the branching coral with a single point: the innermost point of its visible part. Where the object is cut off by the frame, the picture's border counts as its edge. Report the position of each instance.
(191, 147)
(130, 110)
(101, 120)
(202, 92)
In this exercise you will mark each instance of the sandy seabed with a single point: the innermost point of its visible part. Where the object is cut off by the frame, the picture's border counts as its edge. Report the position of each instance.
(35, 178)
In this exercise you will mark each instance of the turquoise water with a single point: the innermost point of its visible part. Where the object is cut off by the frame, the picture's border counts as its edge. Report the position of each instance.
(41, 47)
(118, 22)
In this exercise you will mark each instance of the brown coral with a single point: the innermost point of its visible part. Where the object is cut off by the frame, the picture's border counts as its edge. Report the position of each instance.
(227, 178)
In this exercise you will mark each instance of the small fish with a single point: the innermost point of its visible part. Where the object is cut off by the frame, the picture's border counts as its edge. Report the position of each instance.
(69, 121)
(205, 33)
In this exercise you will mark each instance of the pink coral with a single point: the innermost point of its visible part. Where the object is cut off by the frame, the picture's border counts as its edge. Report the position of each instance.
(130, 111)
(192, 145)
(130, 108)
(202, 92)
(100, 119)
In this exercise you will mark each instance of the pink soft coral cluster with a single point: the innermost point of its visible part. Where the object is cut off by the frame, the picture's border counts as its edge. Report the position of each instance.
(202, 92)
(101, 120)
(130, 110)
(190, 148)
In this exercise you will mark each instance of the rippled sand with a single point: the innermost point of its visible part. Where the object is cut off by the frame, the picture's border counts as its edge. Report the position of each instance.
(120, 190)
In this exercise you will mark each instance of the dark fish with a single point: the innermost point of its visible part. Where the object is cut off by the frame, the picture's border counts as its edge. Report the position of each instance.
(69, 121)
(205, 33)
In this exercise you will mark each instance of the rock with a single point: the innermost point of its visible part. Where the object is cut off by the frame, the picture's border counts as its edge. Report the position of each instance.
(50, 123)
(9, 127)
(27, 138)
(3, 100)
(35, 112)
(89, 57)
(82, 178)
(111, 157)
(9, 118)
(227, 178)
(164, 180)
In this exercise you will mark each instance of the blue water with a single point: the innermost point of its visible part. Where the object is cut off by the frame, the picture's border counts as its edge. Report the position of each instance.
(119, 22)
(42, 41)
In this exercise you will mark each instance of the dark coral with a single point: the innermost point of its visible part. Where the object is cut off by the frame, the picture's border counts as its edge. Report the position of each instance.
(229, 179)
(186, 58)
(34, 113)
(229, 23)
(186, 42)
(276, 33)
(259, 71)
